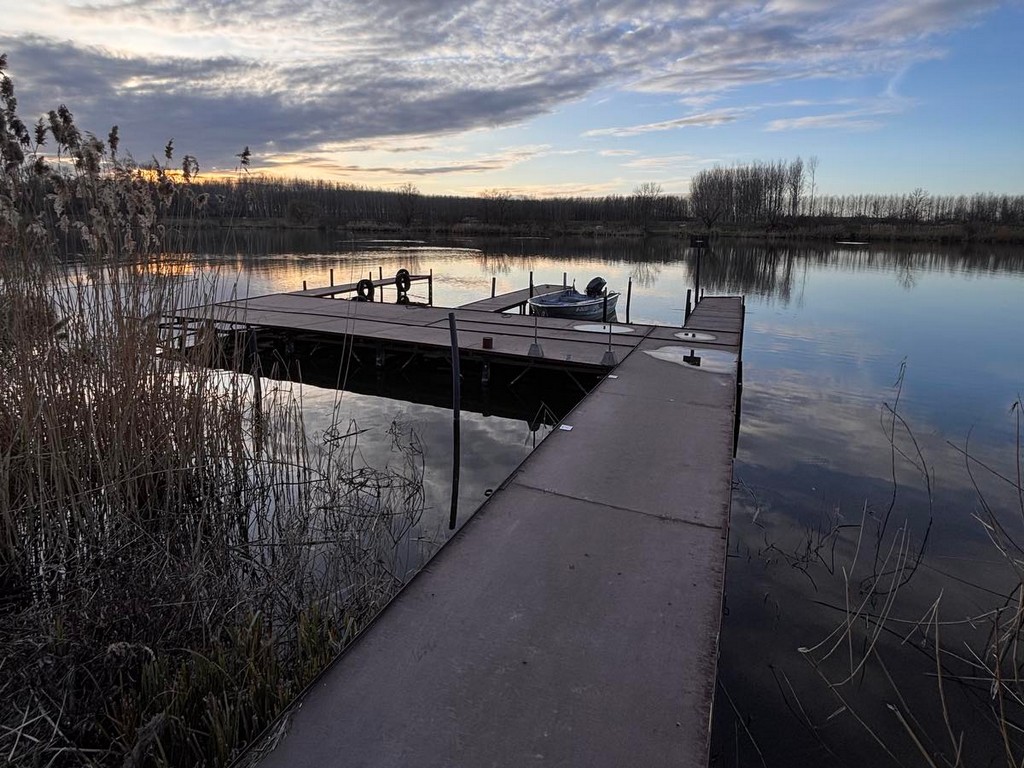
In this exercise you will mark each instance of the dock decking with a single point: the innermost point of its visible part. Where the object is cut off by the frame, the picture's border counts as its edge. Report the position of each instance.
(574, 619)
(415, 329)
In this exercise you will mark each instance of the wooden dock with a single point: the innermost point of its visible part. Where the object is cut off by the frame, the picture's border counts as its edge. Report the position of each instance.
(574, 619)
(408, 330)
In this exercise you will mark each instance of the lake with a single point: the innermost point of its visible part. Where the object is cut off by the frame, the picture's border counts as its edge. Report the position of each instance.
(878, 436)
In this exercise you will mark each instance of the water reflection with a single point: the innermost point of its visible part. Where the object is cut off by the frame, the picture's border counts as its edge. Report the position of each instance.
(828, 330)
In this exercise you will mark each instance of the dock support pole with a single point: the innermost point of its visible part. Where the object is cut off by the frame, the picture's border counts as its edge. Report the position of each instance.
(303, 285)
(332, 277)
(686, 315)
(565, 279)
(494, 285)
(531, 284)
(380, 272)
(604, 311)
(456, 435)
(629, 296)
(430, 288)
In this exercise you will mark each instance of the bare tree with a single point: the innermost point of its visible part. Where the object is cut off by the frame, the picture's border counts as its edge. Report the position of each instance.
(646, 198)
(711, 194)
(812, 170)
(795, 181)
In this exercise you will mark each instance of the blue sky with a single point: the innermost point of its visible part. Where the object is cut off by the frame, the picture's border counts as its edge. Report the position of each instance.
(542, 96)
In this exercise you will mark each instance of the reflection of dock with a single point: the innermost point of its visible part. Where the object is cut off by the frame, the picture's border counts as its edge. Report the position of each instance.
(574, 619)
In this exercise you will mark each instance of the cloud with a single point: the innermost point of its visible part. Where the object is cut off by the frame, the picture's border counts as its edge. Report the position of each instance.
(617, 152)
(301, 76)
(662, 161)
(720, 117)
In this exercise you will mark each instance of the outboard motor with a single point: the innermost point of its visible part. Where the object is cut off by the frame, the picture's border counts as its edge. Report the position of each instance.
(596, 286)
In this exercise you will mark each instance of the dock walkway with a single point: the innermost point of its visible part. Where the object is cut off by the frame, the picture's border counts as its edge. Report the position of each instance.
(416, 329)
(574, 619)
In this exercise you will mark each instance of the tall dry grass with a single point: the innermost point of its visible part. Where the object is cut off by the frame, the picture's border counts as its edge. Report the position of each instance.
(172, 570)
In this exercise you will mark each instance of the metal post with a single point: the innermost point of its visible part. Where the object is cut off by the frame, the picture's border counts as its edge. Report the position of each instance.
(565, 279)
(456, 436)
(696, 285)
(629, 296)
(494, 285)
(604, 315)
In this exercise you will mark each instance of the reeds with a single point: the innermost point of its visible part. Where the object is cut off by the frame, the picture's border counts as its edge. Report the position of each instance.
(173, 570)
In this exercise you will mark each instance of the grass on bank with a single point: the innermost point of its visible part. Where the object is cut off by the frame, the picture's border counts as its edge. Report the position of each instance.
(170, 576)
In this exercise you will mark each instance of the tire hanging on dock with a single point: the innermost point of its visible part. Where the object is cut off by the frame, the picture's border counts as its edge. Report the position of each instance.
(403, 280)
(364, 290)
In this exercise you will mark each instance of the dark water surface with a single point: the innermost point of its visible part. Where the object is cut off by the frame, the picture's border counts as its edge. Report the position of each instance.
(833, 335)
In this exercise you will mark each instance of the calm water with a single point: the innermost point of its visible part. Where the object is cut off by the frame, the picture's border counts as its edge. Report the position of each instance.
(829, 331)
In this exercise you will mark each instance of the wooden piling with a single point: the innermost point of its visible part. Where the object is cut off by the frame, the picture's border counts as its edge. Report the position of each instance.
(494, 286)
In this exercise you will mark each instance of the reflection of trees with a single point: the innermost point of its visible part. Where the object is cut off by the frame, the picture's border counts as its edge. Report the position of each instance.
(753, 268)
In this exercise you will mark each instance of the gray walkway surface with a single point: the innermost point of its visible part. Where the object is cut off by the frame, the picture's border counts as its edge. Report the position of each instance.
(574, 619)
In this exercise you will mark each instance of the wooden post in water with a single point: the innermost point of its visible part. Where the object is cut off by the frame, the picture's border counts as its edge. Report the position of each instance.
(332, 277)
(531, 284)
(380, 272)
(494, 285)
(430, 288)
(565, 279)
(629, 296)
(604, 311)
(303, 285)
(686, 315)
(456, 436)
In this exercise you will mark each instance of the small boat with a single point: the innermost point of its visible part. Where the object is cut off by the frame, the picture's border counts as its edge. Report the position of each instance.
(568, 302)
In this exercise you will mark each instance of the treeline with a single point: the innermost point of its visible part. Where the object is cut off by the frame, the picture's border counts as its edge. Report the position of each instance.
(768, 196)
(328, 204)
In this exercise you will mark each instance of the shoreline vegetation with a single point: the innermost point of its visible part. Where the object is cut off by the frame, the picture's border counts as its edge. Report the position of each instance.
(179, 554)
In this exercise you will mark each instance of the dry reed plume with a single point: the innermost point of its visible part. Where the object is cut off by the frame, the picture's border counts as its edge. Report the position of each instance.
(169, 579)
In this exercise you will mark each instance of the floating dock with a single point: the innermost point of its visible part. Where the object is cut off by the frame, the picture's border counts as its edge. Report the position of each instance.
(574, 619)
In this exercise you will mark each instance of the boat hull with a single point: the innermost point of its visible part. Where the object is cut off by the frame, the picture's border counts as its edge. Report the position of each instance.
(554, 305)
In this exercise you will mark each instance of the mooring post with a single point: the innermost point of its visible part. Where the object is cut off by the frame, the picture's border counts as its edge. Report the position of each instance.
(430, 288)
(565, 279)
(604, 315)
(609, 356)
(629, 296)
(686, 316)
(380, 272)
(332, 277)
(531, 284)
(456, 436)
(303, 285)
(494, 285)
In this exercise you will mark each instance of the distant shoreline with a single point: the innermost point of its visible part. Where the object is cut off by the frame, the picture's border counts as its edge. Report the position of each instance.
(851, 232)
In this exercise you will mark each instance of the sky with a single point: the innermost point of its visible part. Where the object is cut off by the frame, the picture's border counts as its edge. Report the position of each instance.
(542, 97)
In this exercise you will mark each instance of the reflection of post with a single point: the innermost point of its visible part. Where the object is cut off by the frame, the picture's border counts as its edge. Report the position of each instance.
(696, 286)
(456, 436)
(257, 390)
